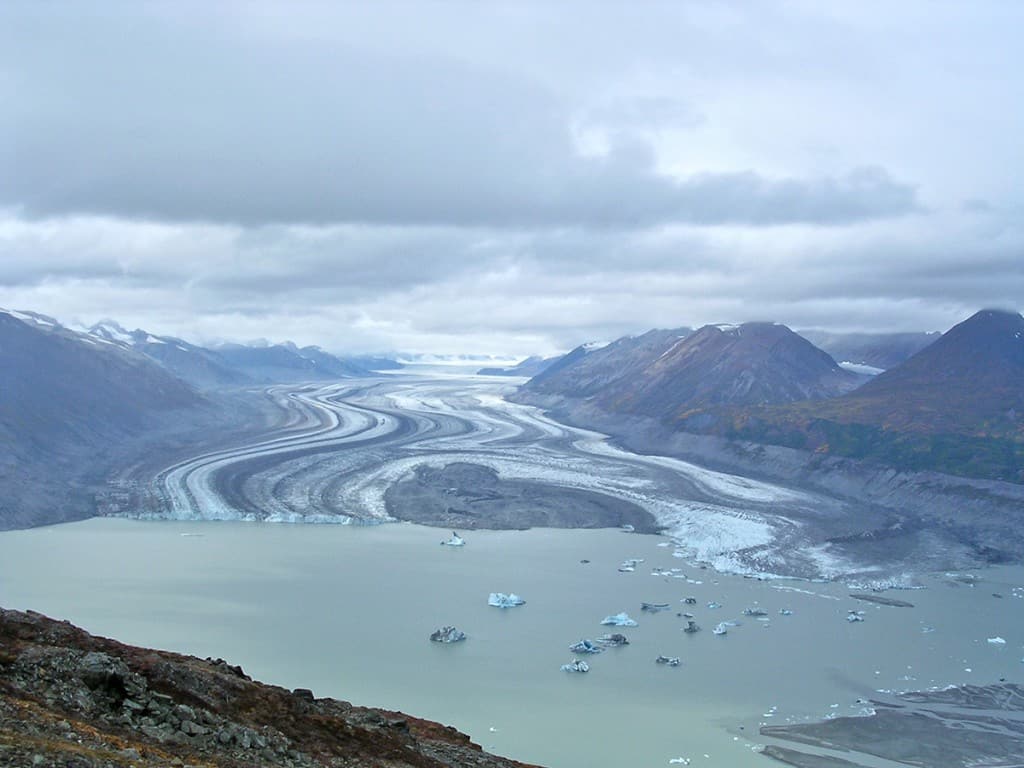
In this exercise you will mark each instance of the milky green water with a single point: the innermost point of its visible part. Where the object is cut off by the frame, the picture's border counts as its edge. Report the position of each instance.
(347, 612)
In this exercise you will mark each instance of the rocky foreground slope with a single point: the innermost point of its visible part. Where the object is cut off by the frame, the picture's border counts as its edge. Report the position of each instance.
(71, 699)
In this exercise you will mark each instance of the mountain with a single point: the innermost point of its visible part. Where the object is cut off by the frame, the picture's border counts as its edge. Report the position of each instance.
(326, 363)
(590, 369)
(669, 374)
(87, 701)
(970, 381)
(231, 365)
(529, 367)
(200, 367)
(374, 362)
(286, 362)
(67, 400)
(956, 406)
(877, 350)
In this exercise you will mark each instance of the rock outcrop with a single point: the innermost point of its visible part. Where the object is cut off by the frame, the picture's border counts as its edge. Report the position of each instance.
(71, 699)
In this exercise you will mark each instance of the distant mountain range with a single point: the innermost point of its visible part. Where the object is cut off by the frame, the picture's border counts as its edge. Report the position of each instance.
(954, 405)
(877, 350)
(236, 364)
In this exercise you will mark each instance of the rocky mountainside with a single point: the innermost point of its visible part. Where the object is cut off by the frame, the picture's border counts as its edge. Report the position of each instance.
(200, 367)
(75, 700)
(59, 383)
(669, 374)
(67, 400)
(590, 369)
(957, 406)
(969, 381)
(878, 350)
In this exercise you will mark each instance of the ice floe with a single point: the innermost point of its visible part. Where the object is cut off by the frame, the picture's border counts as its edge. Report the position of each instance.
(502, 600)
(585, 646)
(447, 635)
(454, 541)
(619, 620)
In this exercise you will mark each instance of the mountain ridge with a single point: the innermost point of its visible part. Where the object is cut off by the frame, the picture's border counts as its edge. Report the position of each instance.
(669, 373)
(955, 406)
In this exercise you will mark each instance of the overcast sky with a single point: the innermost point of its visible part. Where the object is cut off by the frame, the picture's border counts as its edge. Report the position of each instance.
(508, 177)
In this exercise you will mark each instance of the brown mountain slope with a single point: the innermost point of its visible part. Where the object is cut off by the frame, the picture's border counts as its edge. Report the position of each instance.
(957, 406)
(669, 375)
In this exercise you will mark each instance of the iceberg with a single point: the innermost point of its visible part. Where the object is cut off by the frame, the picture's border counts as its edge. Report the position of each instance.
(619, 620)
(615, 640)
(585, 646)
(447, 635)
(501, 600)
(723, 627)
(576, 665)
(454, 541)
(654, 607)
(671, 661)
(691, 627)
(996, 641)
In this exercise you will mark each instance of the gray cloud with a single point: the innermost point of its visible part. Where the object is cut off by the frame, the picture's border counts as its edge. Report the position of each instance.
(508, 177)
(148, 117)
(364, 288)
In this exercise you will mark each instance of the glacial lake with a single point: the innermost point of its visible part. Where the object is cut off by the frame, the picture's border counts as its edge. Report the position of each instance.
(347, 611)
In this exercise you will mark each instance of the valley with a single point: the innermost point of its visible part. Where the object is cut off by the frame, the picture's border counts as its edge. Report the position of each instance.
(448, 450)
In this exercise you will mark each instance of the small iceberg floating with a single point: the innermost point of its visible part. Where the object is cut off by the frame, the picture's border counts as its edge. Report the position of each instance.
(713, 605)
(754, 612)
(627, 528)
(454, 541)
(628, 566)
(853, 616)
(576, 665)
(619, 620)
(654, 607)
(447, 635)
(721, 629)
(996, 641)
(785, 612)
(668, 661)
(501, 600)
(613, 640)
(585, 646)
(691, 627)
